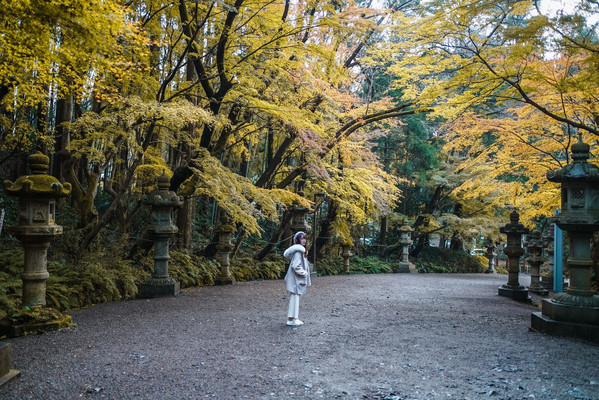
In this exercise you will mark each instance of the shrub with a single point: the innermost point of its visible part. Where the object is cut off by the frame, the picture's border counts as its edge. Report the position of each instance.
(436, 260)
(357, 265)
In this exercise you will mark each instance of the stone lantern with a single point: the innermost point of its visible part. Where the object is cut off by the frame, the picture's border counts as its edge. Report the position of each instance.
(575, 312)
(298, 220)
(298, 215)
(405, 240)
(163, 203)
(225, 232)
(36, 224)
(346, 254)
(490, 255)
(35, 229)
(514, 231)
(534, 244)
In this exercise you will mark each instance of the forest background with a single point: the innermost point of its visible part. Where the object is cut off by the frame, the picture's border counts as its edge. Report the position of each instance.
(443, 114)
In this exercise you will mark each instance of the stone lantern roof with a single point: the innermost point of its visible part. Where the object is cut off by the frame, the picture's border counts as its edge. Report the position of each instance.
(38, 183)
(579, 170)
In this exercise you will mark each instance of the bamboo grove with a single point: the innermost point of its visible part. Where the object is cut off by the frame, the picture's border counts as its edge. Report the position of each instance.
(447, 113)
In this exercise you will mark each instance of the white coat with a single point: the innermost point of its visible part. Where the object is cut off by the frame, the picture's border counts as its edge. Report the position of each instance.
(298, 274)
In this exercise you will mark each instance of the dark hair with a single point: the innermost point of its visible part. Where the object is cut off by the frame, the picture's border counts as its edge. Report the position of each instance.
(298, 236)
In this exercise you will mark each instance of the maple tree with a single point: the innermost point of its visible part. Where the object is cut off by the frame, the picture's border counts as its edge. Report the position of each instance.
(51, 47)
(515, 87)
(237, 99)
(253, 106)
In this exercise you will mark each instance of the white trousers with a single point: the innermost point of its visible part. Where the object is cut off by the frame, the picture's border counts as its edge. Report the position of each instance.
(293, 305)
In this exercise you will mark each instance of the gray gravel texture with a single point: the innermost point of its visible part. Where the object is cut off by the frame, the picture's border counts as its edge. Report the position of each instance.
(390, 336)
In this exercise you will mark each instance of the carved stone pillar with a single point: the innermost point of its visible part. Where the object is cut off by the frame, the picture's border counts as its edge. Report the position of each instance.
(405, 266)
(225, 232)
(534, 244)
(575, 312)
(163, 203)
(35, 229)
(514, 231)
(490, 255)
(346, 254)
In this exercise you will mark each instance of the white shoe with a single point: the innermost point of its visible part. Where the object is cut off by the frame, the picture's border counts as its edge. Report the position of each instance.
(298, 322)
(294, 322)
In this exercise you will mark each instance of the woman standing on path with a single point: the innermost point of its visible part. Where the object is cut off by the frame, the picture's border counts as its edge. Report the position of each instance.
(298, 276)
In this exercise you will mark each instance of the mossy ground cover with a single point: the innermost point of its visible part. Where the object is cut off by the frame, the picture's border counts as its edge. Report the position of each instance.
(433, 259)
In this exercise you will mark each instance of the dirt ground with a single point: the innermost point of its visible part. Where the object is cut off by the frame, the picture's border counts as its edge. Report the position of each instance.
(391, 336)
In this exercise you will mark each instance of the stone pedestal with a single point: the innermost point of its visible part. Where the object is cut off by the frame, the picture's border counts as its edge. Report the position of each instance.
(34, 321)
(566, 320)
(155, 287)
(160, 284)
(514, 231)
(574, 313)
(6, 374)
(163, 203)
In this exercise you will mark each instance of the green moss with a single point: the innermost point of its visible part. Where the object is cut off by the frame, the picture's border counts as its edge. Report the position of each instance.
(11, 265)
(247, 269)
(39, 320)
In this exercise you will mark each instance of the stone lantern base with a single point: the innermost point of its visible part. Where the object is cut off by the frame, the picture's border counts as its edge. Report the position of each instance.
(519, 293)
(159, 288)
(6, 374)
(406, 268)
(35, 321)
(567, 320)
(224, 280)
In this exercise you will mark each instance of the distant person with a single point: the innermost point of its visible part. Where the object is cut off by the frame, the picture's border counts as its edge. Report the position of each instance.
(297, 277)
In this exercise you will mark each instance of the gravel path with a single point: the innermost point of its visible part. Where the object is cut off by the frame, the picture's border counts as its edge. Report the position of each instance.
(392, 336)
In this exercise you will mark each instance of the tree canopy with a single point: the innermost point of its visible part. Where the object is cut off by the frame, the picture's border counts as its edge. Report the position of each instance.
(513, 85)
(447, 111)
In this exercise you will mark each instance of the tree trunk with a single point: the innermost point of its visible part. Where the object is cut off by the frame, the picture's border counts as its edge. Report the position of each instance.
(383, 236)
(64, 113)
(82, 198)
(423, 240)
(238, 241)
(125, 186)
(456, 244)
(276, 237)
(595, 258)
(324, 233)
(185, 217)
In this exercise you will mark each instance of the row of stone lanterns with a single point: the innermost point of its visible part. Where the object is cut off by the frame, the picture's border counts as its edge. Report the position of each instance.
(36, 227)
(575, 312)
